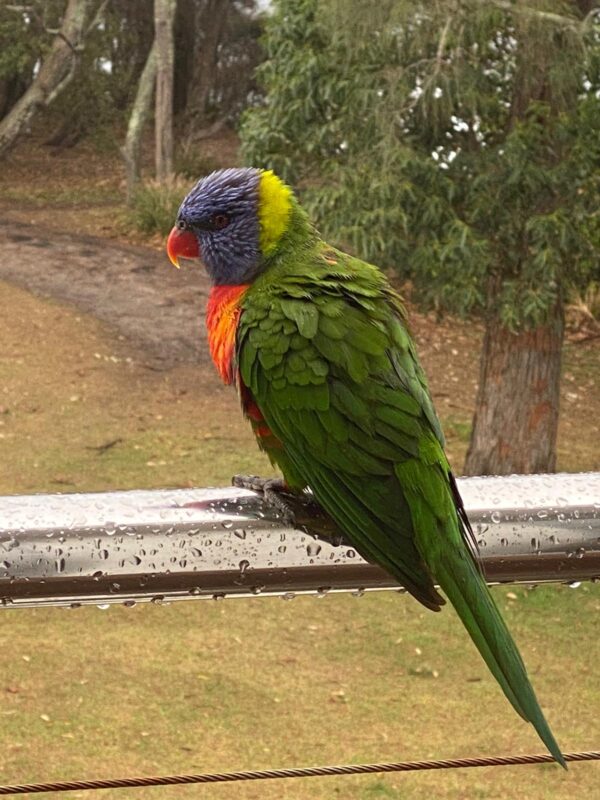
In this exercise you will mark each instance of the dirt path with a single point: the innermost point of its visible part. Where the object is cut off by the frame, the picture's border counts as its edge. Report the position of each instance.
(134, 289)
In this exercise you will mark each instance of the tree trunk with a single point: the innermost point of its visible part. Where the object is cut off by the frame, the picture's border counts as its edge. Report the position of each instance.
(55, 73)
(516, 417)
(131, 150)
(164, 15)
(211, 21)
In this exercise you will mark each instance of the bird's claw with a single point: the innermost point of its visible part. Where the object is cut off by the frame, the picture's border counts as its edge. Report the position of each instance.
(273, 491)
(295, 510)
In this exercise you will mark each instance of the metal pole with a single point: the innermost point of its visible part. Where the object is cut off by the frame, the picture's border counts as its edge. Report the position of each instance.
(126, 547)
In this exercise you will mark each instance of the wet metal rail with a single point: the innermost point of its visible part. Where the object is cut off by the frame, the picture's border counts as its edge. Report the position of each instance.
(128, 547)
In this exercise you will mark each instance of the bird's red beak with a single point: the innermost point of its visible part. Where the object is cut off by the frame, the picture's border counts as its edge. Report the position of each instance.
(182, 244)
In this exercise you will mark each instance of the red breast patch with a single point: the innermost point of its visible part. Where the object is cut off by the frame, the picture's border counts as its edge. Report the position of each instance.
(222, 316)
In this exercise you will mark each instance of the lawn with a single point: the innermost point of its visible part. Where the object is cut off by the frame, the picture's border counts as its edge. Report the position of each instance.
(264, 683)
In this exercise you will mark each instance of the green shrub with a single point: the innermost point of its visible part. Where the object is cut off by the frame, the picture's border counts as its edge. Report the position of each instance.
(155, 205)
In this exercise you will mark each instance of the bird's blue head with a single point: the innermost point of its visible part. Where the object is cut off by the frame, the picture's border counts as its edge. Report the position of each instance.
(233, 220)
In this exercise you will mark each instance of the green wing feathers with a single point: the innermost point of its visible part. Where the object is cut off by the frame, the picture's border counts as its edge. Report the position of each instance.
(325, 353)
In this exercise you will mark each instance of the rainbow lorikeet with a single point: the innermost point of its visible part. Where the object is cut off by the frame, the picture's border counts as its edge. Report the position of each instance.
(318, 346)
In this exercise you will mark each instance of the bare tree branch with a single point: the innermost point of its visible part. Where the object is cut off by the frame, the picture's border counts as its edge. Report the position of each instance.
(97, 16)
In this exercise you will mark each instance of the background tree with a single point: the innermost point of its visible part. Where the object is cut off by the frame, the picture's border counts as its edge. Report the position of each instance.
(216, 50)
(104, 85)
(55, 72)
(216, 53)
(455, 141)
(104, 71)
(164, 18)
(140, 111)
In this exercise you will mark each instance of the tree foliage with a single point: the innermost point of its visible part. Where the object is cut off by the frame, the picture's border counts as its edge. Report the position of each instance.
(455, 140)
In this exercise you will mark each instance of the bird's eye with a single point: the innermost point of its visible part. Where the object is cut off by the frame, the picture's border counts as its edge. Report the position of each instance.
(182, 225)
(219, 221)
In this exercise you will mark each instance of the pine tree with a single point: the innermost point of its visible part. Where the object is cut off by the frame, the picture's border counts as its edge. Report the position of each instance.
(457, 142)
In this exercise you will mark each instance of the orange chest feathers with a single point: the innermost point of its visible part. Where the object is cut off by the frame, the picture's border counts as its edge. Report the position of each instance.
(222, 316)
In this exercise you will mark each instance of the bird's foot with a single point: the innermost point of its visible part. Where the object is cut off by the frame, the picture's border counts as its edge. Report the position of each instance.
(275, 492)
(298, 510)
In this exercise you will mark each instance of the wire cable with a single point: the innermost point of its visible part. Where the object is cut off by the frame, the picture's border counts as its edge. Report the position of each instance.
(297, 772)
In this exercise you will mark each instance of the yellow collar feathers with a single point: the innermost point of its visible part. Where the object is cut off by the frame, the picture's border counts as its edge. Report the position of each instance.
(274, 209)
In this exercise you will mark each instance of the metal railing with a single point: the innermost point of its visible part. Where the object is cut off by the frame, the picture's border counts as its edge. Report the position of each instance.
(127, 547)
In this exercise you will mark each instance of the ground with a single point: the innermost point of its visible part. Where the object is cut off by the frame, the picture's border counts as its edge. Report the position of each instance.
(104, 384)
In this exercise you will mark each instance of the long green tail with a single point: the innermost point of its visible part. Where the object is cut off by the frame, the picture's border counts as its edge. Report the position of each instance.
(455, 570)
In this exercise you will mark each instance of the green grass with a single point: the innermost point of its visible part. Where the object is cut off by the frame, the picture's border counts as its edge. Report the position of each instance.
(193, 163)
(155, 205)
(213, 686)
(458, 428)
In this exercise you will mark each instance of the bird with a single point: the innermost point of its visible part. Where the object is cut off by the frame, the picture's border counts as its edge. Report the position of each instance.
(318, 344)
